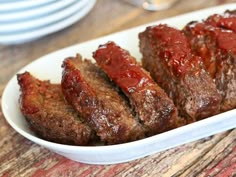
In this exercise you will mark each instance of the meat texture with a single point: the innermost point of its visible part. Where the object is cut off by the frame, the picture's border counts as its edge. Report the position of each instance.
(167, 56)
(151, 104)
(48, 114)
(217, 47)
(89, 90)
(225, 21)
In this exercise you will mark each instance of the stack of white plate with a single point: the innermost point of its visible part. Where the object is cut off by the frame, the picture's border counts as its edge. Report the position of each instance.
(26, 20)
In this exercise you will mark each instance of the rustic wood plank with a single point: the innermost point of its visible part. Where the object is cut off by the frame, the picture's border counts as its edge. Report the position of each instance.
(219, 161)
(169, 163)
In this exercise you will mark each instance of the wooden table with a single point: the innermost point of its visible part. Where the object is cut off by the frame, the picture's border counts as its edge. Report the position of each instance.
(213, 156)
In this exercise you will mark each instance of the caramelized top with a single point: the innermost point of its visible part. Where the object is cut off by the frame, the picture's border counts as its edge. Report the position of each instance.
(224, 39)
(227, 21)
(118, 62)
(173, 48)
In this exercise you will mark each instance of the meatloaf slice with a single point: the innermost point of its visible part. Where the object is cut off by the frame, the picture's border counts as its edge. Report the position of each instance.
(48, 114)
(167, 56)
(217, 47)
(151, 104)
(89, 90)
(225, 21)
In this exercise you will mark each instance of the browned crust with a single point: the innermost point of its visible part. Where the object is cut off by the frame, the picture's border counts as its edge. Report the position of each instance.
(217, 47)
(88, 89)
(167, 56)
(151, 104)
(48, 114)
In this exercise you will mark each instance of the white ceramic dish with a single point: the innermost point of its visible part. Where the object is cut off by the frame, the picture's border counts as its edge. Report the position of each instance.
(32, 13)
(7, 6)
(28, 25)
(49, 67)
(17, 38)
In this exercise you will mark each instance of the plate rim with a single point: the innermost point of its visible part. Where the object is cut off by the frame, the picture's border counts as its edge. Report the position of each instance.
(10, 6)
(13, 16)
(19, 27)
(40, 32)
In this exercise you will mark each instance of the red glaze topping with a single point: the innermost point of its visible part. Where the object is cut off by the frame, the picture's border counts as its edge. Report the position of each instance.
(227, 41)
(228, 21)
(211, 42)
(122, 67)
(196, 32)
(224, 39)
(173, 48)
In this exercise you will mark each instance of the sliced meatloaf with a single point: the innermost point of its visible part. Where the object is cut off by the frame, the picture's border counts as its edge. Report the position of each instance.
(48, 114)
(151, 104)
(96, 99)
(217, 47)
(167, 56)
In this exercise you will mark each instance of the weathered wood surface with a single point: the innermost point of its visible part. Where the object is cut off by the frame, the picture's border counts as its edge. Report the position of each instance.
(213, 156)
